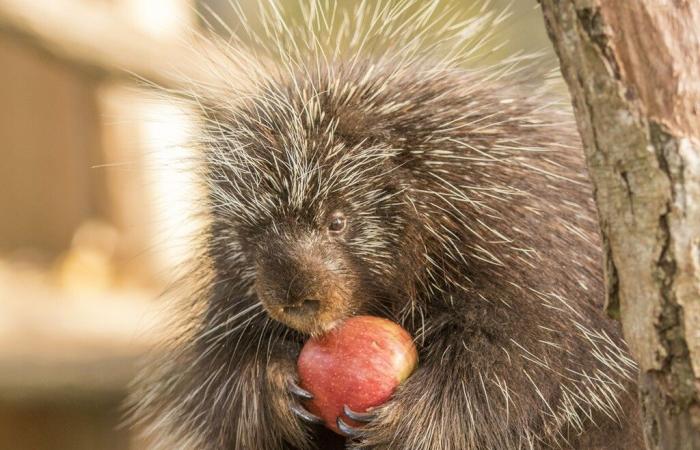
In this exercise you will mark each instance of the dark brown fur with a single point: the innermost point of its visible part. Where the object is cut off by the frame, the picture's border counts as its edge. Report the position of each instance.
(471, 224)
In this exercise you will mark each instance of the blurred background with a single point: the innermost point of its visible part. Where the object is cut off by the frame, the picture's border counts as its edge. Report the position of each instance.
(96, 201)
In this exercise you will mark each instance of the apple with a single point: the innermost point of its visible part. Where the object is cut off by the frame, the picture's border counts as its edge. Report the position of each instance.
(359, 363)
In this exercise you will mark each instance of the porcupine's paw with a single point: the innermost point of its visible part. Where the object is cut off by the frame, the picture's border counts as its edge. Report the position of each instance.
(349, 429)
(375, 429)
(299, 394)
(405, 421)
(346, 425)
(281, 402)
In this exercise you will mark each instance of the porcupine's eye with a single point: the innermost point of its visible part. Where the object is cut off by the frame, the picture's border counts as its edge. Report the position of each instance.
(337, 223)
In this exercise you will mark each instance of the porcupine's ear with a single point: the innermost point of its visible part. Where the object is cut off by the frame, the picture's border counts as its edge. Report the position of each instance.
(404, 162)
(394, 168)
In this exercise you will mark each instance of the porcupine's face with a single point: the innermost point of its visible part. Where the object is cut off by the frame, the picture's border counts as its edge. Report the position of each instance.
(317, 217)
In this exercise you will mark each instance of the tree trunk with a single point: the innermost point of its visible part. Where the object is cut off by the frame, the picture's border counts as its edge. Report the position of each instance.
(633, 69)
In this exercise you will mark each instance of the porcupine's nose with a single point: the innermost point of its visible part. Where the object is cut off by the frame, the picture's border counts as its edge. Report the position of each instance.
(297, 284)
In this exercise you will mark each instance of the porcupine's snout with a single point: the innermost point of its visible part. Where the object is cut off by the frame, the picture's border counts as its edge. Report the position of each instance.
(303, 283)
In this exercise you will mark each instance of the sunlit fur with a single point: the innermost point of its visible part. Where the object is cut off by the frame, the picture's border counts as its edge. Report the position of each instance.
(470, 222)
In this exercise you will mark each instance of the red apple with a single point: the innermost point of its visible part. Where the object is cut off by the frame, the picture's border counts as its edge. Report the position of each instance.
(359, 364)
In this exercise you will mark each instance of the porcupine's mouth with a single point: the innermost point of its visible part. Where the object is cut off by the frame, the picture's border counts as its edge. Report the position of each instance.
(313, 327)
(310, 317)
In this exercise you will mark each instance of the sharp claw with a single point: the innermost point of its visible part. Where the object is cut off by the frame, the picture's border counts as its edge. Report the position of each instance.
(306, 416)
(347, 430)
(299, 391)
(359, 416)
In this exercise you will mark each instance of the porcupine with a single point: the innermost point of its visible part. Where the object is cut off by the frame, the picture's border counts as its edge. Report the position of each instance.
(356, 165)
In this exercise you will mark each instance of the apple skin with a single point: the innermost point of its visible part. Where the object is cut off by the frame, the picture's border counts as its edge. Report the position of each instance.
(359, 364)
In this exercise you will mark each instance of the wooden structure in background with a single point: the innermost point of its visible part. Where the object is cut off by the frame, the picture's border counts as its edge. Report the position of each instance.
(65, 356)
(96, 37)
(49, 127)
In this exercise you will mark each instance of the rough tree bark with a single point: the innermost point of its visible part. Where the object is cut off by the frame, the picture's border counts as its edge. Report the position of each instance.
(633, 70)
